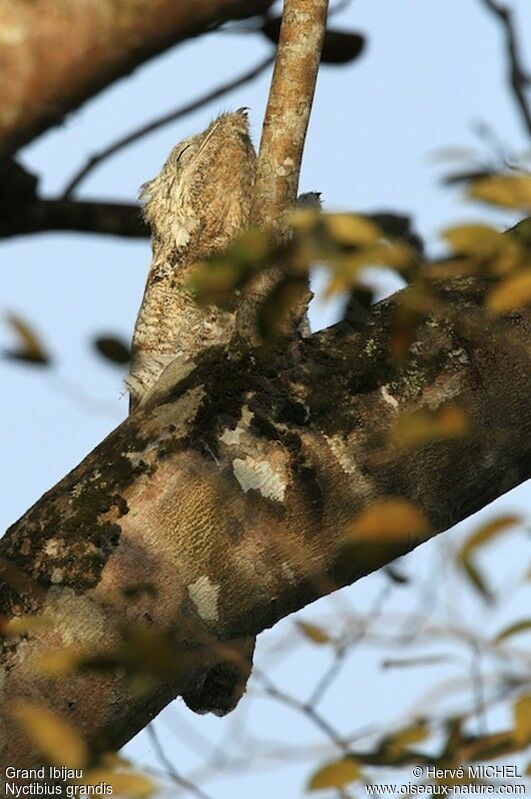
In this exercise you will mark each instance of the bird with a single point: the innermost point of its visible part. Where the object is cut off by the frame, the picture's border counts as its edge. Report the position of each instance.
(197, 204)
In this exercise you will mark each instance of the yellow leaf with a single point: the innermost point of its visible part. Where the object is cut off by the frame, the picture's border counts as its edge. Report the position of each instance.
(20, 625)
(513, 629)
(481, 536)
(474, 239)
(393, 254)
(30, 347)
(522, 720)
(112, 760)
(335, 775)
(508, 191)
(486, 532)
(59, 663)
(454, 267)
(511, 294)
(424, 426)
(391, 519)
(55, 737)
(403, 739)
(123, 783)
(303, 220)
(476, 578)
(314, 633)
(351, 230)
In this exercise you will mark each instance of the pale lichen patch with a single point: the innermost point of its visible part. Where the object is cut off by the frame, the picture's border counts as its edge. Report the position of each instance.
(205, 595)
(57, 576)
(53, 546)
(169, 369)
(388, 397)
(75, 618)
(173, 419)
(442, 391)
(289, 574)
(340, 449)
(252, 473)
(233, 437)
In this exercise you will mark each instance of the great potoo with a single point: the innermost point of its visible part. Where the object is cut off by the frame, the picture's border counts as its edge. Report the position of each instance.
(200, 200)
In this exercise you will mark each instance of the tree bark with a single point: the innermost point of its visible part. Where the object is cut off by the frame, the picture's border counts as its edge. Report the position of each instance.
(221, 504)
(56, 54)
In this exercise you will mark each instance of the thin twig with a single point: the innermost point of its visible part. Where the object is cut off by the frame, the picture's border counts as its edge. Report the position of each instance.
(519, 79)
(346, 647)
(170, 768)
(165, 119)
(276, 693)
(478, 688)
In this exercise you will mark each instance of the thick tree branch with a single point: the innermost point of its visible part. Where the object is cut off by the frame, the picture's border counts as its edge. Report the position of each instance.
(221, 504)
(55, 55)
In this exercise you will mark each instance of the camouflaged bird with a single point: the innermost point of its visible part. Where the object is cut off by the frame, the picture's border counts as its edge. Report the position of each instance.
(199, 202)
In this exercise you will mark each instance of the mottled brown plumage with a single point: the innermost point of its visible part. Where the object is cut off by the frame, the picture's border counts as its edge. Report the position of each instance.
(195, 206)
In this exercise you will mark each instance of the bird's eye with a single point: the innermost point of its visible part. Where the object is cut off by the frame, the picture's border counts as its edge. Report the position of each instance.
(183, 151)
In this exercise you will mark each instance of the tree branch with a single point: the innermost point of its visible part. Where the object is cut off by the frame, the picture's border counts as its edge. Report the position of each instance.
(281, 147)
(224, 499)
(83, 216)
(41, 79)
(518, 79)
(288, 109)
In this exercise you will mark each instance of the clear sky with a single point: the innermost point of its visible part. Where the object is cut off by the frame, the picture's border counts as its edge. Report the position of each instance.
(433, 71)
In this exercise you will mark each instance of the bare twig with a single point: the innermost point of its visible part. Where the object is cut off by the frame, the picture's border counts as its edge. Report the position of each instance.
(165, 119)
(346, 647)
(170, 768)
(313, 715)
(519, 79)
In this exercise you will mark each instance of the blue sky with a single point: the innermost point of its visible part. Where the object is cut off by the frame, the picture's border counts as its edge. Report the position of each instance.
(433, 70)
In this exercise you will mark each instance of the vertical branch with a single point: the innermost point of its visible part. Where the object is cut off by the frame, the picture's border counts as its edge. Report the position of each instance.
(281, 148)
(288, 108)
